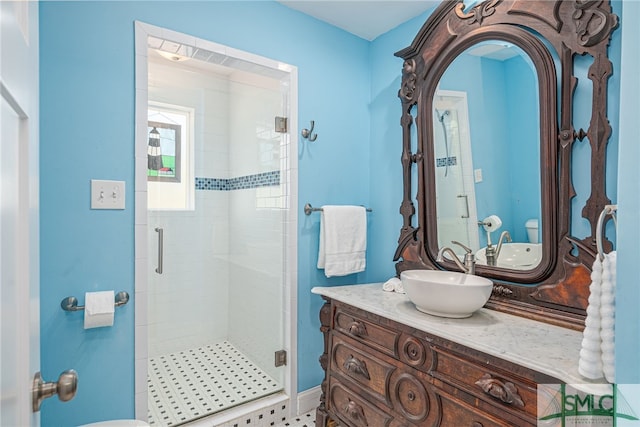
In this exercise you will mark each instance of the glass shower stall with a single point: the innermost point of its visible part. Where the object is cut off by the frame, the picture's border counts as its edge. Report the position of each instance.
(217, 197)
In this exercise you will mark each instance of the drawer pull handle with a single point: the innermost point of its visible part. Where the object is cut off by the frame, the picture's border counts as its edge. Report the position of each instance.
(476, 424)
(356, 366)
(358, 329)
(355, 412)
(504, 391)
(411, 396)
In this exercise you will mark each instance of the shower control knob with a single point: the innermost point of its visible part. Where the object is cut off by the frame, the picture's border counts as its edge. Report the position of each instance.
(65, 388)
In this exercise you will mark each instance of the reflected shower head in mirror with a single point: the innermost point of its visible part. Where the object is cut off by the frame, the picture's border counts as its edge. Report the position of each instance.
(441, 117)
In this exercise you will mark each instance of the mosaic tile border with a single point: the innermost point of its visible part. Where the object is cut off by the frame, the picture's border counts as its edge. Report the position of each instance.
(446, 161)
(265, 179)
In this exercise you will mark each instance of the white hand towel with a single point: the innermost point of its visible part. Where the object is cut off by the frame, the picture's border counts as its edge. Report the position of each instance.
(389, 285)
(597, 355)
(590, 361)
(607, 315)
(393, 285)
(343, 240)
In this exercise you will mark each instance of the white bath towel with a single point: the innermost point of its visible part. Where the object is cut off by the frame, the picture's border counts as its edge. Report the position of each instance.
(597, 358)
(343, 240)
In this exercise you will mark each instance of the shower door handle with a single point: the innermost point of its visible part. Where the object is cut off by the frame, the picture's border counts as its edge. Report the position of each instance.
(160, 232)
(466, 201)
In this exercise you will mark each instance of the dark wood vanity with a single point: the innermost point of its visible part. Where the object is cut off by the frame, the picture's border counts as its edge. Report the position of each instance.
(387, 364)
(382, 372)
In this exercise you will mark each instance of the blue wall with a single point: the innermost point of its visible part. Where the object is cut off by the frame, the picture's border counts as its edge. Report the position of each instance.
(524, 154)
(347, 85)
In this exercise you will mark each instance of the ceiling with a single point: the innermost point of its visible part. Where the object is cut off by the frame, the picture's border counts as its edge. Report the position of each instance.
(365, 18)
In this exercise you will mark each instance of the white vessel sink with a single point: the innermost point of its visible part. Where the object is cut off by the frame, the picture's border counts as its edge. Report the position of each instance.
(517, 256)
(446, 293)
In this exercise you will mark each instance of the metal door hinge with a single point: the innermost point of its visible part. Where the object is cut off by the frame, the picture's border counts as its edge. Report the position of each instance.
(281, 358)
(281, 124)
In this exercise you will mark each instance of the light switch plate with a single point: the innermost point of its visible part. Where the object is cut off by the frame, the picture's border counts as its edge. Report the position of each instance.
(477, 175)
(107, 194)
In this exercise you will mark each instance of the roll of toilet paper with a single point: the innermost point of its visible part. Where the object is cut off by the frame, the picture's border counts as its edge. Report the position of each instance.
(99, 308)
(491, 223)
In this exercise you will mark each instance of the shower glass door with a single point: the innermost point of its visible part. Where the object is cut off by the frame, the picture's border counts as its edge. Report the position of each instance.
(455, 192)
(216, 217)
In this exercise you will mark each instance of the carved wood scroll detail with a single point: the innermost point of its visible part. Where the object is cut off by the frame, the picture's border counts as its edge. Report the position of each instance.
(355, 412)
(501, 291)
(409, 78)
(504, 391)
(356, 366)
(478, 13)
(358, 329)
(593, 24)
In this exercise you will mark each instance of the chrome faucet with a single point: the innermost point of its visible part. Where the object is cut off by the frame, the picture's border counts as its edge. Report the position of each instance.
(469, 263)
(492, 252)
(503, 236)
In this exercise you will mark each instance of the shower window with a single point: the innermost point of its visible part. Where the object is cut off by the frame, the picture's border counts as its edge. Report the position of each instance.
(170, 167)
(163, 154)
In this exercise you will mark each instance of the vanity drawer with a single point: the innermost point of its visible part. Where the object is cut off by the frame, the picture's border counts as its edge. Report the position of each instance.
(405, 391)
(369, 372)
(352, 410)
(460, 414)
(367, 331)
(503, 390)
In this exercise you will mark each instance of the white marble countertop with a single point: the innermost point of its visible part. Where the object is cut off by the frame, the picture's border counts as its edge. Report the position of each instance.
(545, 348)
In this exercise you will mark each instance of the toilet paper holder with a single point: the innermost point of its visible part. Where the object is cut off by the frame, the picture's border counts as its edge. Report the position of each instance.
(71, 303)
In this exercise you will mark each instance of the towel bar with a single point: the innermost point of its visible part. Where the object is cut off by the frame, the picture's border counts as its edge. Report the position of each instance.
(71, 303)
(308, 209)
(608, 210)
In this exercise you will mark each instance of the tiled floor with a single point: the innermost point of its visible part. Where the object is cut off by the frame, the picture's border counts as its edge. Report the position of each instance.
(196, 382)
(304, 420)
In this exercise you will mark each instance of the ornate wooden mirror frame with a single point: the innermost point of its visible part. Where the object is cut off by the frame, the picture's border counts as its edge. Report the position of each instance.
(572, 27)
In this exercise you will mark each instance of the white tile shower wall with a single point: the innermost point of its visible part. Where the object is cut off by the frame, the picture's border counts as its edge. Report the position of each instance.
(257, 226)
(188, 302)
(256, 274)
(208, 94)
(212, 155)
(255, 146)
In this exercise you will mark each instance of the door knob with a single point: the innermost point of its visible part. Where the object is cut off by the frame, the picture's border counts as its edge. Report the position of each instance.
(65, 388)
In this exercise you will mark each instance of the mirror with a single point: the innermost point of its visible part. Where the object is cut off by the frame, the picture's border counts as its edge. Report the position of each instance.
(519, 167)
(486, 143)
